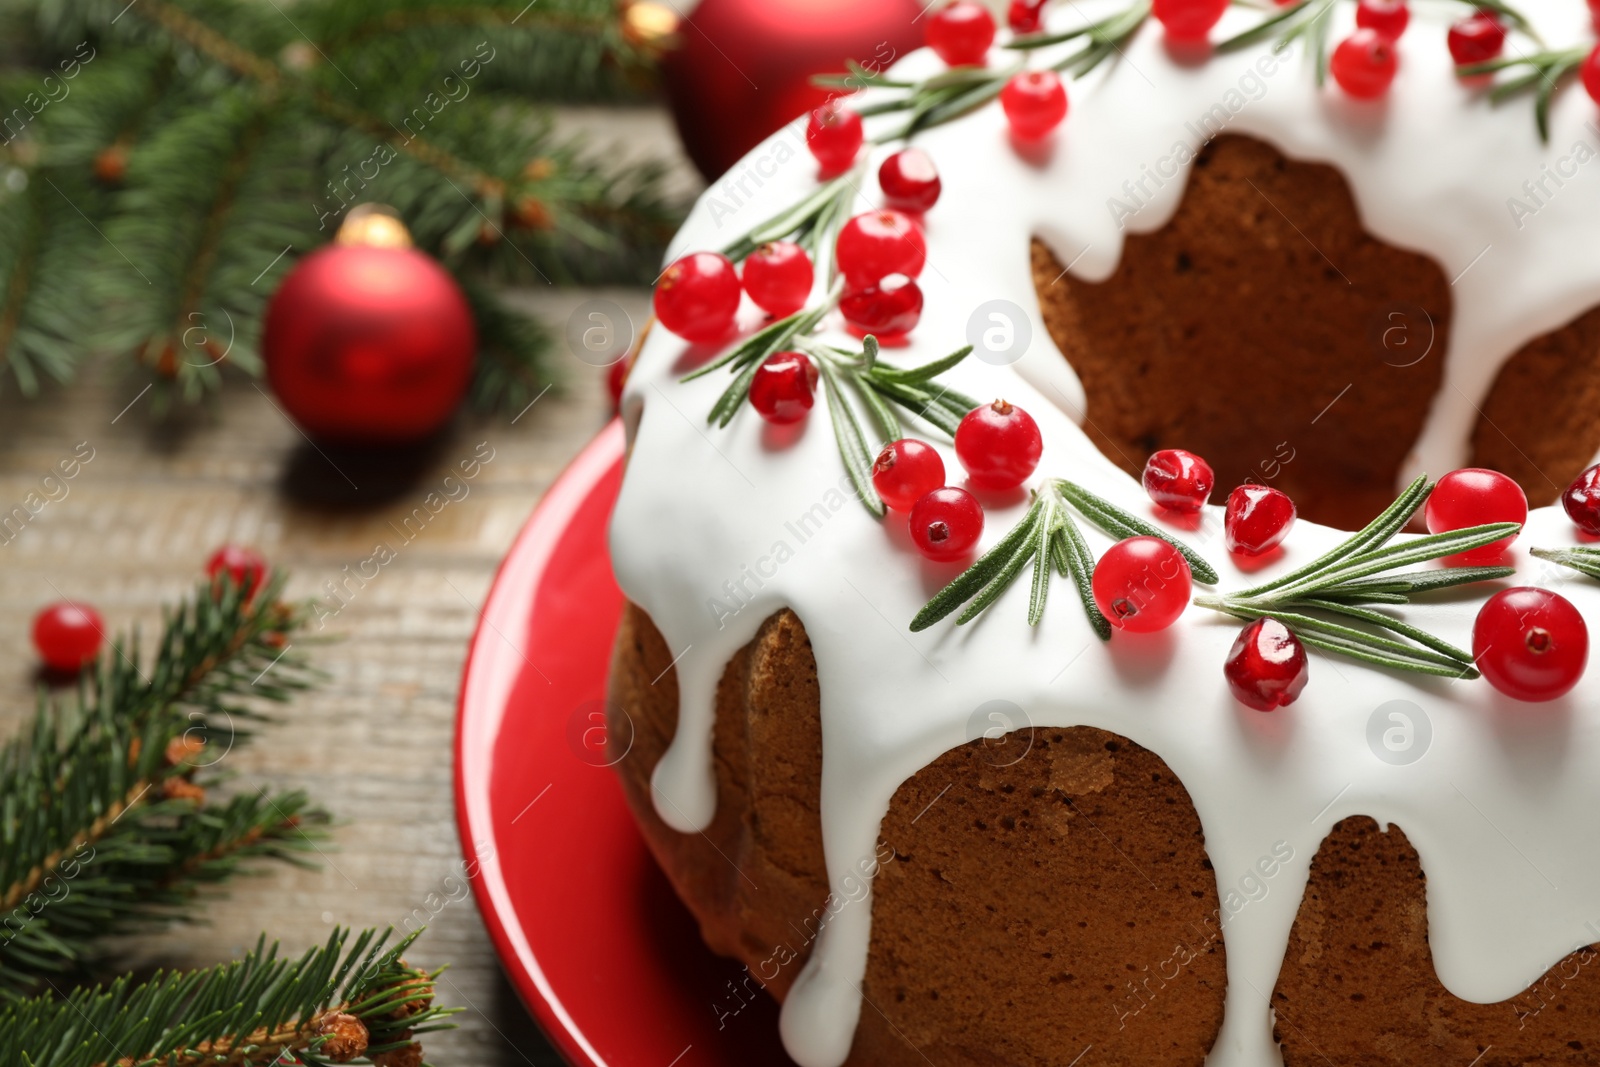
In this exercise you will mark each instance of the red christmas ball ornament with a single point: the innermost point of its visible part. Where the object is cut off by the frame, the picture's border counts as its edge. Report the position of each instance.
(68, 636)
(1531, 644)
(741, 69)
(369, 341)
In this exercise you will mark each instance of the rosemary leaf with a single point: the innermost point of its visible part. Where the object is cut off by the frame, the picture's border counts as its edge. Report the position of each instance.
(1306, 626)
(1041, 562)
(1119, 523)
(1265, 28)
(1007, 574)
(852, 447)
(883, 417)
(970, 581)
(1583, 560)
(1081, 561)
(728, 403)
(926, 372)
(1388, 622)
(1405, 585)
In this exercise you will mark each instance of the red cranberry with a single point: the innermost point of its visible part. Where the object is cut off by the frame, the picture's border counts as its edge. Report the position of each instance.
(1364, 64)
(880, 243)
(1266, 667)
(1035, 102)
(1388, 17)
(1472, 497)
(778, 277)
(1530, 643)
(1142, 584)
(1189, 19)
(1178, 480)
(698, 296)
(946, 523)
(909, 180)
(961, 33)
(1025, 16)
(1477, 38)
(888, 310)
(68, 635)
(834, 135)
(906, 471)
(616, 380)
(1582, 500)
(1591, 74)
(783, 387)
(999, 445)
(244, 565)
(1257, 520)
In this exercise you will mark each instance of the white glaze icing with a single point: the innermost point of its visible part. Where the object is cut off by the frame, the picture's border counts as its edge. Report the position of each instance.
(1498, 807)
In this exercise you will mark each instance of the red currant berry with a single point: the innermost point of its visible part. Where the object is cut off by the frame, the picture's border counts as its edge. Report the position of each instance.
(1025, 16)
(68, 635)
(1178, 480)
(1266, 668)
(1388, 17)
(1530, 643)
(1477, 38)
(1034, 102)
(906, 471)
(783, 387)
(1258, 518)
(1364, 64)
(909, 181)
(888, 310)
(999, 445)
(880, 243)
(1591, 74)
(961, 33)
(616, 379)
(1189, 19)
(1142, 584)
(698, 296)
(245, 567)
(1582, 501)
(834, 135)
(946, 523)
(778, 277)
(1472, 497)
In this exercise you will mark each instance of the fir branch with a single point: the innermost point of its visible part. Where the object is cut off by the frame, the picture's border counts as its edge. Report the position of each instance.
(1585, 561)
(513, 368)
(1544, 73)
(351, 997)
(1345, 578)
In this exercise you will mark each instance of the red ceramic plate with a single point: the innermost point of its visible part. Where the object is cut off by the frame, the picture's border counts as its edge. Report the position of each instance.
(588, 929)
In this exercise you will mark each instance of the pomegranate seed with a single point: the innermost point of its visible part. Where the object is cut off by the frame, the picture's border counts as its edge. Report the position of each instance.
(244, 565)
(1257, 520)
(999, 445)
(1035, 102)
(1388, 17)
(834, 135)
(1477, 38)
(888, 310)
(961, 33)
(906, 471)
(1472, 497)
(1266, 668)
(778, 277)
(1582, 500)
(1364, 64)
(1142, 584)
(68, 635)
(1178, 480)
(946, 523)
(698, 296)
(1189, 19)
(1531, 644)
(880, 243)
(783, 387)
(1591, 74)
(909, 180)
(1025, 16)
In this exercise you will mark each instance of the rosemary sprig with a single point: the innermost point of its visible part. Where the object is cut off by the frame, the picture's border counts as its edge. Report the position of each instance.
(1583, 560)
(1102, 39)
(810, 223)
(1048, 535)
(848, 378)
(1356, 573)
(1544, 74)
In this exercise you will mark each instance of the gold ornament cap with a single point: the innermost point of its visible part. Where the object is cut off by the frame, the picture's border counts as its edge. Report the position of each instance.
(649, 25)
(375, 225)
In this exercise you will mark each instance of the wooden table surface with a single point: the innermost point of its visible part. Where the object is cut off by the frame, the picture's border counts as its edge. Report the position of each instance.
(373, 744)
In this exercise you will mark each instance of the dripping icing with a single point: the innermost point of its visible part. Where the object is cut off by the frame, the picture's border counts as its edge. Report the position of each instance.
(1431, 170)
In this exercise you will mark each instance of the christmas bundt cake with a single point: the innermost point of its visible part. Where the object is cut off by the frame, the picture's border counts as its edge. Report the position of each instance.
(1084, 603)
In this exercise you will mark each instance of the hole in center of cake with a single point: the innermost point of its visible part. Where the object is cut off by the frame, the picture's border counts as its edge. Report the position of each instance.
(1263, 328)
